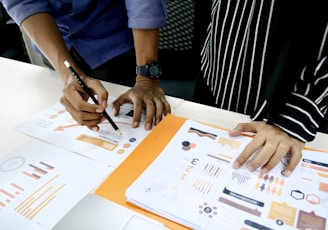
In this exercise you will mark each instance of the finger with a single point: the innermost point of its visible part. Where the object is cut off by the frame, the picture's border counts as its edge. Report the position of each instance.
(118, 102)
(85, 118)
(237, 130)
(138, 107)
(244, 127)
(150, 112)
(158, 110)
(278, 153)
(248, 151)
(80, 114)
(81, 117)
(263, 156)
(296, 156)
(94, 128)
(78, 100)
(99, 90)
(167, 107)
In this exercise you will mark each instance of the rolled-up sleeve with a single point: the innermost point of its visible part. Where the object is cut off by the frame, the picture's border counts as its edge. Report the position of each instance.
(19, 10)
(148, 14)
(307, 105)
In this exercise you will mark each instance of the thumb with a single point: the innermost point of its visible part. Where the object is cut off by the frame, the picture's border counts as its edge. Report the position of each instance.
(236, 131)
(244, 127)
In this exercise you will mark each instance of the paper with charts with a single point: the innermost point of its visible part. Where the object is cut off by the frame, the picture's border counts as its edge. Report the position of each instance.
(40, 183)
(56, 126)
(193, 183)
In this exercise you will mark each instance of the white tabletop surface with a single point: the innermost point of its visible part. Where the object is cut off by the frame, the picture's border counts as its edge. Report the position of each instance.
(26, 89)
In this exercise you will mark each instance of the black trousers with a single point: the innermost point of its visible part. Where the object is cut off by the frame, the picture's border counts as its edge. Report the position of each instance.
(120, 70)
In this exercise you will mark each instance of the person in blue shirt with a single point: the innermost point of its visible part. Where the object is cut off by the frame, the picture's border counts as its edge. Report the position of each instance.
(102, 40)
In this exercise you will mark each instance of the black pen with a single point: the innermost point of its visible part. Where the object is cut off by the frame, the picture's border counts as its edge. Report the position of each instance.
(89, 92)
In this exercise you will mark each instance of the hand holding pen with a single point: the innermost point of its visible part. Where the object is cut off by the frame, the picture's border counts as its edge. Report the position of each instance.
(90, 94)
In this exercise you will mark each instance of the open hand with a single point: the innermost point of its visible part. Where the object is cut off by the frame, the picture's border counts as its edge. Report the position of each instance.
(145, 94)
(276, 144)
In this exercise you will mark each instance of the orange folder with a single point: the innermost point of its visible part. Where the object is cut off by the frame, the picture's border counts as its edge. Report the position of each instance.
(117, 183)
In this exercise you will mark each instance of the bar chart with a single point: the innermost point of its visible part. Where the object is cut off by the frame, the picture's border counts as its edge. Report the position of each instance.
(39, 183)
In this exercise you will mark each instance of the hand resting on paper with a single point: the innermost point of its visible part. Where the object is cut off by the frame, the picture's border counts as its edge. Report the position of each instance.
(148, 94)
(276, 144)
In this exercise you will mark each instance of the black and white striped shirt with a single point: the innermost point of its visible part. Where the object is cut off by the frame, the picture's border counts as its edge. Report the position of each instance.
(237, 65)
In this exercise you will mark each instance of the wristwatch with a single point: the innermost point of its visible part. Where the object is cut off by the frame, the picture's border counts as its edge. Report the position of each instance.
(153, 70)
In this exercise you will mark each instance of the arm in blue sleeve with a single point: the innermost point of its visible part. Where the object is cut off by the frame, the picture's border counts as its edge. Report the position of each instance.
(19, 10)
(143, 14)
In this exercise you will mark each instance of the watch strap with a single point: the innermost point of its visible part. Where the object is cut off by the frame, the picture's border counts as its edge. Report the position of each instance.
(142, 70)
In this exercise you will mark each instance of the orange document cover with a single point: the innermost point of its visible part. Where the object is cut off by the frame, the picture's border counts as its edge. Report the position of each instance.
(117, 183)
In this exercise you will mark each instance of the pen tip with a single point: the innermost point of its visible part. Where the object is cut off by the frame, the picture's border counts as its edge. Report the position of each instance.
(119, 132)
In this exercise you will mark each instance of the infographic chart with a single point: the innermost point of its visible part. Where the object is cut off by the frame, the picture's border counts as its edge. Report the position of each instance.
(56, 126)
(40, 183)
(193, 183)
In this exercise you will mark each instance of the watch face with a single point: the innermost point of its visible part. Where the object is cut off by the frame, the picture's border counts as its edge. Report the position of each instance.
(153, 70)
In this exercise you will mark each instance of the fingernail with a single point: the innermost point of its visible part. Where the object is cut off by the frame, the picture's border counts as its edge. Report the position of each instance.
(236, 165)
(104, 104)
(95, 128)
(233, 130)
(135, 124)
(99, 110)
(148, 126)
(286, 173)
(250, 168)
(264, 170)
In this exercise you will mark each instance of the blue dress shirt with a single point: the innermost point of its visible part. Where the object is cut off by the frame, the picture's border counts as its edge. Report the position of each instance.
(98, 30)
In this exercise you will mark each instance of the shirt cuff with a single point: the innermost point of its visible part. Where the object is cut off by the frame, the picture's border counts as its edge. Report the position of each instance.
(299, 117)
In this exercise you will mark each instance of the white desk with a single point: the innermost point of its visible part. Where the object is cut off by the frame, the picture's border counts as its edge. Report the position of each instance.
(26, 89)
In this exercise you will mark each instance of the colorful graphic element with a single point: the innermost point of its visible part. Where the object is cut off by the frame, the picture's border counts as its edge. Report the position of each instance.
(281, 211)
(210, 211)
(270, 184)
(203, 186)
(310, 221)
(240, 206)
(97, 141)
(212, 170)
(38, 200)
(10, 193)
(38, 172)
(233, 144)
(221, 157)
(56, 126)
(240, 177)
(186, 145)
(202, 133)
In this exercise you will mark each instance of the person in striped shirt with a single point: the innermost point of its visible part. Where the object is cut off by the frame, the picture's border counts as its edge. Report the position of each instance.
(268, 59)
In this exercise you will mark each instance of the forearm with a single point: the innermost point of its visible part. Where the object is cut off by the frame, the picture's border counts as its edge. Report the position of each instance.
(44, 33)
(146, 46)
